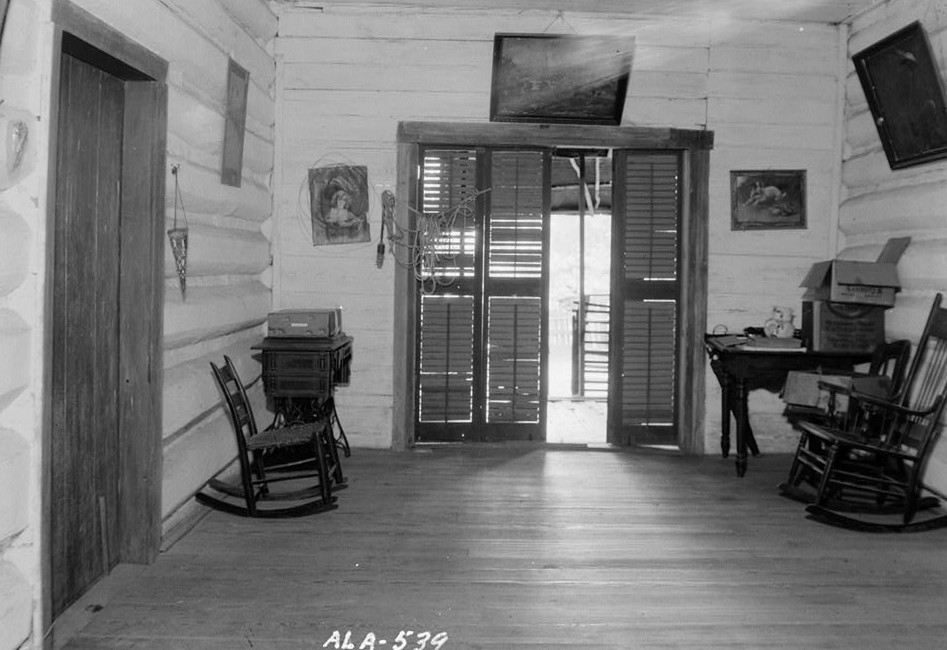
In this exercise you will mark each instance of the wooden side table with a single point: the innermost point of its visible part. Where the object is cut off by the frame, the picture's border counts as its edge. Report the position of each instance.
(741, 370)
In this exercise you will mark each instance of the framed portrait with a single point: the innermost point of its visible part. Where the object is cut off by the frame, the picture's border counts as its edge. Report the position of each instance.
(903, 87)
(560, 78)
(767, 199)
(235, 121)
(338, 197)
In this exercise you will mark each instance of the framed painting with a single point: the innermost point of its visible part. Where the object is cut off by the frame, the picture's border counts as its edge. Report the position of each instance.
(235, 120)
(338, 197)
(903, 87)
(560, 78)
(767, 199)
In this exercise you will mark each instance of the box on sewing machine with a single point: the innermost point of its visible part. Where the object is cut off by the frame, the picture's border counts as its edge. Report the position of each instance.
(305, 323)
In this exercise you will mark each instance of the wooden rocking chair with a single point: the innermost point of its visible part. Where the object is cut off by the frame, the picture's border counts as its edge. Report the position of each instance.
(309, 479)
(874, 468)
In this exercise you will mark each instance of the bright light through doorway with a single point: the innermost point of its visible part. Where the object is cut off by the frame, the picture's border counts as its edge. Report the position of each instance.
(576, 411)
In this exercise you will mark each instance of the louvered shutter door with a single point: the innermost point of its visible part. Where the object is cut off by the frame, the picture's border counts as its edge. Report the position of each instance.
(514, 289)
(449, 297)
(650, 261)
(446, 355)
(449, 182)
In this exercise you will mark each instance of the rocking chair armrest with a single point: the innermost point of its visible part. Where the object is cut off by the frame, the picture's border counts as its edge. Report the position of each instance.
(887, 405)
(854, 440)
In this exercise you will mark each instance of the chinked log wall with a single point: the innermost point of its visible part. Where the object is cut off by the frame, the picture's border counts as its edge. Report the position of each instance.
(20, 65)
(768, 88)
(878, 203)
(228, 262)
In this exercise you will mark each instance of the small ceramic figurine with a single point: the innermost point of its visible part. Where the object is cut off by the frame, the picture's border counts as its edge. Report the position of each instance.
(779, 324)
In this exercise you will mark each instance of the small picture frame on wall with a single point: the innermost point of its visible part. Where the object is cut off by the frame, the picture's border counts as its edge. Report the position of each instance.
(903, 87)
(235, 120)
(771, 199)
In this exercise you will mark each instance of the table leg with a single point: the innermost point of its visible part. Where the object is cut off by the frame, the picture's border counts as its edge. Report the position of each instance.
(724, 413)
(743, 425)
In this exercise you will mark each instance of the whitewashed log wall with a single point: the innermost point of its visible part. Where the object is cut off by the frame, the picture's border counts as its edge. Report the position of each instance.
(878, 203)
(22, 217)
(347, 75)
(229, 292)
(228, 263)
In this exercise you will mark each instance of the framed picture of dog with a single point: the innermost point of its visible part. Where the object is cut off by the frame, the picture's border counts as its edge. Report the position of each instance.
(770, 199)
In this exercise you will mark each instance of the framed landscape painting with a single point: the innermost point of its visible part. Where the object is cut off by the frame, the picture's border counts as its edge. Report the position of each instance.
(767, 199)
(560, 78)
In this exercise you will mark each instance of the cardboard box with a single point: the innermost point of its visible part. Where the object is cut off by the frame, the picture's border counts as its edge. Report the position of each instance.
(802, 389)
(862, 283)
(839, 327)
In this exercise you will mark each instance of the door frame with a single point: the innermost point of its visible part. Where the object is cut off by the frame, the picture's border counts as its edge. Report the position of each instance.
(695, 146)
(140, 342)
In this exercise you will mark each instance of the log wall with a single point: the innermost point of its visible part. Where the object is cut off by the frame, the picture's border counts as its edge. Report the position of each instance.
(769, 90)
(228, 261)
(878, 203)
(23, 61)
(228, 264)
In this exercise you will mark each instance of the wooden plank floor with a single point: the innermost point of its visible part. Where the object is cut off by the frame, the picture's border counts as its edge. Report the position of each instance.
(532, 547)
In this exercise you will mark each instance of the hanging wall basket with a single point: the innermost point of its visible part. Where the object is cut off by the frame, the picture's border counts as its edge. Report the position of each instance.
(178, 236)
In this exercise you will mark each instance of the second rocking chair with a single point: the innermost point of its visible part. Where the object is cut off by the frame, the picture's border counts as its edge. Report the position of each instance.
(874, 468)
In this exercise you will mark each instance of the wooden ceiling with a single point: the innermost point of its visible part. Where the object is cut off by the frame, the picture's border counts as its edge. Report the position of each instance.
(809, 11)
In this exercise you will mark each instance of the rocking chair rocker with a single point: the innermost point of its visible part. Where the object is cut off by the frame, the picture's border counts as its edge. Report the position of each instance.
(874, 468)
(314, 473)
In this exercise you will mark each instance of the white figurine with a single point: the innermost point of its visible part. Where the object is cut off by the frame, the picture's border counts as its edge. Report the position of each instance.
(779, 324)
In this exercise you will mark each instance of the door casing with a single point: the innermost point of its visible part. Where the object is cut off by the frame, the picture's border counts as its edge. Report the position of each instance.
(694, 146)
(141, 282)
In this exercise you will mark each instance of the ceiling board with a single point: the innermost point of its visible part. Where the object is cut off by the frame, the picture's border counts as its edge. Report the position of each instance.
(809, 11)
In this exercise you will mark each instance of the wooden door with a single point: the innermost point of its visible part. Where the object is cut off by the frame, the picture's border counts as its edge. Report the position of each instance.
(645, 298)
(449, 296)
(481, 351)
(86, 271)
(515, 290)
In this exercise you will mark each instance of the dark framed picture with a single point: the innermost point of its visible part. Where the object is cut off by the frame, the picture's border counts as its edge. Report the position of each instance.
(238, 82)
(338, 203)
(767, 199)
(904, 91)
(560, 78)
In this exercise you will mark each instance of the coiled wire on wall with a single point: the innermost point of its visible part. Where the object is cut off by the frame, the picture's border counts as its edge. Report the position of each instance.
(423, 249)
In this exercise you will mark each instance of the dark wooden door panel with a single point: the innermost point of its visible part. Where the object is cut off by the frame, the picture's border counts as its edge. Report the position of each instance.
(481, 307)
(84, 383)
(448, 305)
(645, 299)
(445, 367)
(515, 289)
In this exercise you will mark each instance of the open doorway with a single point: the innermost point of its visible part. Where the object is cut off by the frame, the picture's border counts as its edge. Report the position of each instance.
(580, 259)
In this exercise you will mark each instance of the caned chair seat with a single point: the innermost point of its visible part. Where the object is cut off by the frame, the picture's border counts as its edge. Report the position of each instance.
(299, 434)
